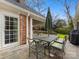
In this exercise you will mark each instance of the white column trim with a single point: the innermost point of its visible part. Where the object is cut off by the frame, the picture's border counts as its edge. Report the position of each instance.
(27, 33)
(27, 26)
(31, 28)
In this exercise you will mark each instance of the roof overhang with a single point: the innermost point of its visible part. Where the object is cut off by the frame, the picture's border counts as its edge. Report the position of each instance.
(11, 7)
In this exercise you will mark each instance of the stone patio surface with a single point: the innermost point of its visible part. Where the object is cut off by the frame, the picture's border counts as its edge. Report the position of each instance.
(22, 52)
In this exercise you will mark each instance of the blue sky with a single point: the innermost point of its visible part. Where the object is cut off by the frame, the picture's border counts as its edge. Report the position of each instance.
(57, 7)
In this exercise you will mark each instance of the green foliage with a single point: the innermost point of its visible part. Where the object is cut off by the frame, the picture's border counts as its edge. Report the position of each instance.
(61, 36)
(48, 23)
(71, 24)
(62, 30)
(60, 23)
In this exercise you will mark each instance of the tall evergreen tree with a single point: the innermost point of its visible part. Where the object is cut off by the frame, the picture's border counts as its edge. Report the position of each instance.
(48, 23)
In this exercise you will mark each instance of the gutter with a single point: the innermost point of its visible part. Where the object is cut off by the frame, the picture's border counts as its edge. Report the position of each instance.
(21, 8)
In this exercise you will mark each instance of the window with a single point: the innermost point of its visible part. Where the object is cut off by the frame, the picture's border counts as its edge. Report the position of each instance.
(11, 29)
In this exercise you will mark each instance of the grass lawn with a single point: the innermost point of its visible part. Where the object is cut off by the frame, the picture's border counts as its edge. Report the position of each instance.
(61, 35)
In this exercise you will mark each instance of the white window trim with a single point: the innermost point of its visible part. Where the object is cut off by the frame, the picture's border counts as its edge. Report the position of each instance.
(3, 29)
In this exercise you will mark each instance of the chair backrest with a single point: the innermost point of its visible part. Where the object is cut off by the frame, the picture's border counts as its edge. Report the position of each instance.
(64, 41)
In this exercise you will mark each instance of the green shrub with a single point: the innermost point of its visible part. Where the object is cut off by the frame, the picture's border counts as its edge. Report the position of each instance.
(62, 30)
(61, 36)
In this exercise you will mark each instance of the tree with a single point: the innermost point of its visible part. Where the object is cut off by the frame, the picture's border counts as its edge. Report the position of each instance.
(37, 5)
(67, 5)
(60, 23)
(48, 23)
(67, 11)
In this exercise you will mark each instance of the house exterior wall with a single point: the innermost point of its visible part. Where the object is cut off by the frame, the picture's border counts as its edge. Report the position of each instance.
(6, 8)
(2, 30)
(14, 50)
(22, 29)
(28, 28)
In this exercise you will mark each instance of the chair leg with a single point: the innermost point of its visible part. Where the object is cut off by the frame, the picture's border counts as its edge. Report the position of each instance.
(64, 52)
(44, 51)
(62, 57)
(29, 51)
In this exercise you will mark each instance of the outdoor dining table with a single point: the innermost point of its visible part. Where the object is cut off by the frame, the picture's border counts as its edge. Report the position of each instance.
(47, 39)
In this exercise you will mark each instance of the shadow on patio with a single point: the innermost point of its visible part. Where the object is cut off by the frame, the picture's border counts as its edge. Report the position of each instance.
(22, 52)
(71, 52)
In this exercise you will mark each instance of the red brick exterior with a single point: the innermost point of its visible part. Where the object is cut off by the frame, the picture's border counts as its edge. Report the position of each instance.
(22, 29)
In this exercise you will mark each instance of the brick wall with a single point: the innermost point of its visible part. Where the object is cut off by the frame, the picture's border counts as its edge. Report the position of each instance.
(22, 29)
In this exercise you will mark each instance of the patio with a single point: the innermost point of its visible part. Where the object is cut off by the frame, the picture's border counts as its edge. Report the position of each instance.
(71, 52)
(22, 52)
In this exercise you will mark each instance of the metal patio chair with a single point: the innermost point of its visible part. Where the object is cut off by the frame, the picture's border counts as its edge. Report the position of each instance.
(60, 40)
(57, 48)
(36, 48)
